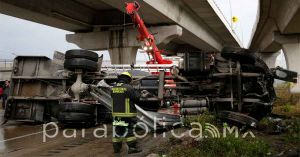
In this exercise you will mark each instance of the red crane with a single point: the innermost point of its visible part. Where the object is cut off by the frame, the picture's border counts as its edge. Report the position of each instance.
(144, 35)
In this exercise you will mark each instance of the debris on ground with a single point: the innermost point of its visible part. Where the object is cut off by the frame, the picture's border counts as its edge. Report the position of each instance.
(274, 136)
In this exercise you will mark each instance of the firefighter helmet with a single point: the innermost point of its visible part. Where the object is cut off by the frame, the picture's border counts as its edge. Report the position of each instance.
(126, 74)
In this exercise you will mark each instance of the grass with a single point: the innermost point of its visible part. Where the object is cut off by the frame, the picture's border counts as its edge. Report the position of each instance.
(210, 147)
(287, 103)
(293, 132)
(202, 119)
(231, 146)
(286, 108)
(284, 96)
(265, 124)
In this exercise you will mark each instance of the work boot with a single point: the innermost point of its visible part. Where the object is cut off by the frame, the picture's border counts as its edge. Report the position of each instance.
(134, 150)
(3, 105)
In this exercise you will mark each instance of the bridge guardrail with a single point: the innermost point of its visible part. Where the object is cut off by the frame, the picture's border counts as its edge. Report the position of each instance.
(6, 64)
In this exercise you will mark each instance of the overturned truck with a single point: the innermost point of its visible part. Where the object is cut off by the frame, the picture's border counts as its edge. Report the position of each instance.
(74, 88)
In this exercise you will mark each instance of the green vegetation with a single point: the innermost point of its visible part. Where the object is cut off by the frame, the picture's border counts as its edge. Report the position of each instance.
(210, 147)
(284, 96)
(287, 103)
(286, 108)
(293, 133)
(266, 125)
(265, 122)
(232, 146)
(202, 119)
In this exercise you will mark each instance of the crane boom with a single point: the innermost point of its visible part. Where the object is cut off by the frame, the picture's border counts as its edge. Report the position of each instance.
(144, 35)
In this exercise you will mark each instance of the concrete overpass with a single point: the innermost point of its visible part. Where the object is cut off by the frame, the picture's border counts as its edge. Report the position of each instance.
(278, 28)
(102, 24)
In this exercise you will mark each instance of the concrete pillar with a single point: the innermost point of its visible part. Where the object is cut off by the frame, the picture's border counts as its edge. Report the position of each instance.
(292, 56)
(269, 58)
(125, 55)
(122, 44)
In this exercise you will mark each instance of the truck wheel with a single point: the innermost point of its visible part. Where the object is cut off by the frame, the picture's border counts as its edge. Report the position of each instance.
(238, 55)
(77, 107)
(259, 111)
(73, 117)
(104, 114)
(70, 54)
(81, 63)
(242, 57)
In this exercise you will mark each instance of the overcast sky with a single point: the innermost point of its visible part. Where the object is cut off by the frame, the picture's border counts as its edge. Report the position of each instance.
(21, 37)
(246, 11)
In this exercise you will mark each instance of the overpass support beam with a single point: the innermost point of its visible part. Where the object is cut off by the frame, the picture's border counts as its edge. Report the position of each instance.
(292, 56)
(269, 58)
(122, 43)
(124, 55)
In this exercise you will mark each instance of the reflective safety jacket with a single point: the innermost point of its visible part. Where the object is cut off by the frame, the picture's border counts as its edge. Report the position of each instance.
(124, 96)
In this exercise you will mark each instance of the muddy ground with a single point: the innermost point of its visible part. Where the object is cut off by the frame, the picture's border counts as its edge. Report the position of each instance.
(19, 139)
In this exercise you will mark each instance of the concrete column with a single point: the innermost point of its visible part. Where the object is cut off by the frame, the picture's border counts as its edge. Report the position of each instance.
(292, 56)
(126, 55)
(122, 44)
(269, 58)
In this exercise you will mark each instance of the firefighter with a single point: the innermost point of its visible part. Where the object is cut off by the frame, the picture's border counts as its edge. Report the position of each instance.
(124, 114)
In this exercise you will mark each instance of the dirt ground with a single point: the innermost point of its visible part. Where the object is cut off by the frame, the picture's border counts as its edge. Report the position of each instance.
(19, 139)
(25, 139)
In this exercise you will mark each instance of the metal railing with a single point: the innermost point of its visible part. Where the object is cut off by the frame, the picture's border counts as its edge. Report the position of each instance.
(146, 68)
(6, 64)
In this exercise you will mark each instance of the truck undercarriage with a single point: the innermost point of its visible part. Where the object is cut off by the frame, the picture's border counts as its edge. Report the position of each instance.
(75, 88)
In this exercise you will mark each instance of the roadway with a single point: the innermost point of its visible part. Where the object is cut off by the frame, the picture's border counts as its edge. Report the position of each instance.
(19, 139)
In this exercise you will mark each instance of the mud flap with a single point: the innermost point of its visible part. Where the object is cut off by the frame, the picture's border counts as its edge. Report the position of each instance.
(25, 110)
(284, 75)
(239, 118)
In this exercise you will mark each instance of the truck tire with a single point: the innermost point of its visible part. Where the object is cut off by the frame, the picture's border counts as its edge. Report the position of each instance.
(81, 63)
(77, 107)
(242, 57)
(104, 114)
(73, 117)
(259, 111)
(237, 54)
(77, 53)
